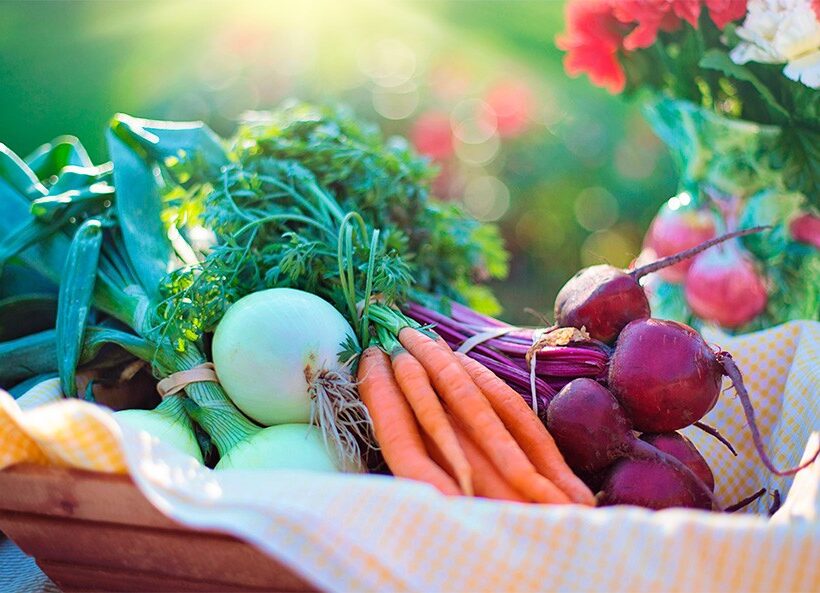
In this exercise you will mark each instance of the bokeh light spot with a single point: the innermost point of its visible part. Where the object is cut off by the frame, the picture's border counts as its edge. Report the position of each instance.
(607, 247)
(539, 232)
(596, 209)
(486, 198)
(473, 121)
(635, 161)
(396, 103)
(389, 62)
(478, 154)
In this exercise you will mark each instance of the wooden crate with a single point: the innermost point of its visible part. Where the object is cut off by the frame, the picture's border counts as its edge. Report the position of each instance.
(96, 532)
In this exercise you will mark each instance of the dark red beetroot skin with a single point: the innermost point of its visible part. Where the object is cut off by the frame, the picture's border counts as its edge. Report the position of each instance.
(603, 299)
(649, 484)
(589, 426)
(678, 445)
(592, 431)
(664, 375)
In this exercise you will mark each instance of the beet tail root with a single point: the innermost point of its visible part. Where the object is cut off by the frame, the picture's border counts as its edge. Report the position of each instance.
(711, 430)
(671, 260)
(741, 504)
(732, 371)
(775, 506)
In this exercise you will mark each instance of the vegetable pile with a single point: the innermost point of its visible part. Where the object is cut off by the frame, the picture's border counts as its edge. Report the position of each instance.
(305, 304)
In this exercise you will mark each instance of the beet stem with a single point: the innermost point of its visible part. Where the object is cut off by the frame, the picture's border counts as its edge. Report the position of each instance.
(710, 430)
(643, 450)
(671, 260)
(746, 501)
(731, 370)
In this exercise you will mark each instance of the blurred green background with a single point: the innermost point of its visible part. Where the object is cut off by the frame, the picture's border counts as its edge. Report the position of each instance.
(572, 174)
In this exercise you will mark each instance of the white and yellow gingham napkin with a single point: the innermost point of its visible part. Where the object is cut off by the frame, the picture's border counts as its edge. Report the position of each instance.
(358, 533)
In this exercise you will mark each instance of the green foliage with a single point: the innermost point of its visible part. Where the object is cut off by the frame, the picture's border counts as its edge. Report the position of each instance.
(74, 305)
(280, 212)
(717, 59)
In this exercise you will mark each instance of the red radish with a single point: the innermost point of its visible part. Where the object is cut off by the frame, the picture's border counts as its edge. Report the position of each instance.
(649, 484)
(723, 286)
(603, 299)
(666, 377)
(679, 446)
(592, 432)
(806, 229)
(675, 229)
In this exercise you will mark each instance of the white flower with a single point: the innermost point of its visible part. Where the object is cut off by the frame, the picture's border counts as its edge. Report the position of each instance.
(782, 31)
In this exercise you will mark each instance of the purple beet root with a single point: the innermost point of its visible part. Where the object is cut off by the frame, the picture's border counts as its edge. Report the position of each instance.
(592, 432)
(603, 299)
(649, 484)
(589, 426)
(679, 446)
(666, 377)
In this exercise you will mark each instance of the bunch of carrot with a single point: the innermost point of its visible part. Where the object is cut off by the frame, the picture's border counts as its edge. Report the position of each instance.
(445, 419)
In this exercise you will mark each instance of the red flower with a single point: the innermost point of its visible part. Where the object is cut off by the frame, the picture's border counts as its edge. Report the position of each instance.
(723, 12)
(654, 15)
(592, 40)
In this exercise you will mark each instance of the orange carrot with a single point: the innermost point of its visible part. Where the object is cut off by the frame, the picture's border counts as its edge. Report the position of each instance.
(527, 430)
(487, 481)
(415, 384)
(395, 426)
(466, 402)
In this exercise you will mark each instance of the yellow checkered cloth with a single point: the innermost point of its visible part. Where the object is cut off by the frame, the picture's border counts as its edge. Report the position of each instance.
(374, 533)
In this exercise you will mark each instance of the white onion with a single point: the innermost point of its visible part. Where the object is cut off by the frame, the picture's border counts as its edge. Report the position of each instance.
(287, 446)
(269, 348)
(173, 431)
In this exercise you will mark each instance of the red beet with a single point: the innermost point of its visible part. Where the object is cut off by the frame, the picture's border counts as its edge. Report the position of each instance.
(592, 432)
(603, 299)
(806, 229)
(589, 426)
(649, 484)
(723, 286)
(676, 228)
(666, 377)
(679, 446)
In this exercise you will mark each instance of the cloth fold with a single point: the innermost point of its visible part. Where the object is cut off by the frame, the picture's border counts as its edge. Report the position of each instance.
(367, 532)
